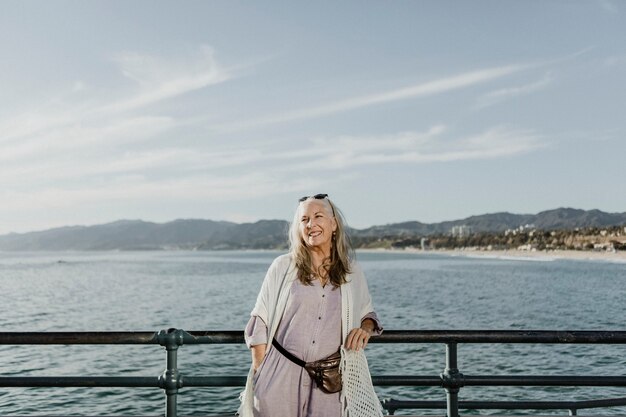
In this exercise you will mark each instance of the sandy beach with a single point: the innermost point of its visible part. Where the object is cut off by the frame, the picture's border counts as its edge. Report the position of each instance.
(619, 257)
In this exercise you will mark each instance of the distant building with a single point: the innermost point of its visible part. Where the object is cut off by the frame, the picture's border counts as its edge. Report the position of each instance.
(520, 229)
(461, 231)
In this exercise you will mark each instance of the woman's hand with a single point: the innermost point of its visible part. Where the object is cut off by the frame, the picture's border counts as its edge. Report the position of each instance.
(358, 337)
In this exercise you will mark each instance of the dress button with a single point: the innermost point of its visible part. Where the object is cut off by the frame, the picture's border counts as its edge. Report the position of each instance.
(319, 318)
(314, 342)
(323, 295)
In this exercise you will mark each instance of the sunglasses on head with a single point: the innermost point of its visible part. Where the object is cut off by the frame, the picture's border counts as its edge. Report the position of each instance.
(316, 196)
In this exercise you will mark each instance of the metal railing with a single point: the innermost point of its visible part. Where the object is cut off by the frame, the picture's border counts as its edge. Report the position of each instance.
(451, 379)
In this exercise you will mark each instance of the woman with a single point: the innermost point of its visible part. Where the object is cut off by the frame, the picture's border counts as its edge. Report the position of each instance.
(313, 300)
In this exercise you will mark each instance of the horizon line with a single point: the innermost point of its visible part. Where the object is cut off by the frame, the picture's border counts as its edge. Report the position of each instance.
(287, 221)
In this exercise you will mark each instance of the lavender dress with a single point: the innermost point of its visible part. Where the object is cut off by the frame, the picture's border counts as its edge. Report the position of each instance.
(311, 330)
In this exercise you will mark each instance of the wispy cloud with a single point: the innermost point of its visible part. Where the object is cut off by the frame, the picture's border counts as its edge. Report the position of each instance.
(192, 174)
(99, 167)
(67, 139)
(136, 190)
(608, 6)
(417, 148)
(116, 150)
(438, 86)
(615, 61)
(154, 80)
(498, 96)
(75, 138)
(160, 79)
(342, 153)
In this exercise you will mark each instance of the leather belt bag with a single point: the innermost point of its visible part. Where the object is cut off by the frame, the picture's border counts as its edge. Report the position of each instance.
(324, 372)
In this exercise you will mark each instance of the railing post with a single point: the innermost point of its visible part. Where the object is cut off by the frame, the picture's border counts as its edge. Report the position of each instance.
(452, 380)
(389, 404)
(171, 380)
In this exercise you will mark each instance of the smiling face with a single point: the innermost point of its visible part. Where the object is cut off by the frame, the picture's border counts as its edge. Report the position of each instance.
(317, 224)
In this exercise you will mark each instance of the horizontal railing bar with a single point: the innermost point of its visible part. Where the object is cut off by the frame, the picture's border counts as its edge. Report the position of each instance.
(214, 381)
(127, 381)
(379, 380)
(117, 338)
(532, 380)
(217, 337)
(506, 380)
(79, 381)
(389, 336)
(501, 336)
(393, 405)
(406, 380)
(77, 338)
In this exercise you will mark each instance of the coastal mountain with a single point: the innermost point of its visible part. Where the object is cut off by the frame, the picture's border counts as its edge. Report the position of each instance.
(272, 234)
(557, 219)
(140, 235)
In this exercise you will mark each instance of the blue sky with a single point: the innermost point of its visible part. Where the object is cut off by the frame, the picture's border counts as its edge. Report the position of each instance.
(231, 110)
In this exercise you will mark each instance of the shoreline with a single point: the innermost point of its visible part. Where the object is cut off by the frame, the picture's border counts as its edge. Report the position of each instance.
(515, 254)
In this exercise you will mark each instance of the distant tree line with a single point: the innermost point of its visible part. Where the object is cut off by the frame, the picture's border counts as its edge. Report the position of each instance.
(591, 238)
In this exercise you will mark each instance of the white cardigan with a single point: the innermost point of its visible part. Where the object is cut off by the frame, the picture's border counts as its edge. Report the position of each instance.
(358, 396)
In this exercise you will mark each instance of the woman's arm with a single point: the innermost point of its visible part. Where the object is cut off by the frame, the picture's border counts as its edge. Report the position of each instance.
(368, 325)
(256, 339)
(258, 353)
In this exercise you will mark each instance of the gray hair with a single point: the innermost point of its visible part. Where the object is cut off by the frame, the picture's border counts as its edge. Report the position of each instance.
(341, 253)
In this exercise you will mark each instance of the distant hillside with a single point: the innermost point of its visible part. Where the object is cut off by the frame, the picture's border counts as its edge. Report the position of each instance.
(140, 235)
(558, 219)
(272, 234)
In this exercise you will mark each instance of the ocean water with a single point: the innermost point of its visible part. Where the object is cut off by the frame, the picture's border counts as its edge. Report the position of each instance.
(150, 291)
